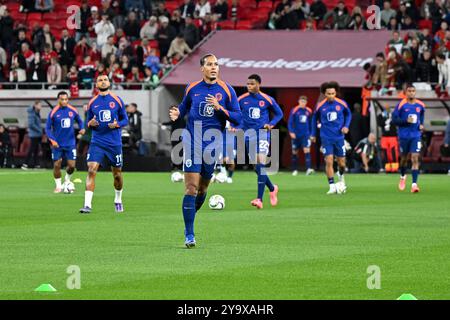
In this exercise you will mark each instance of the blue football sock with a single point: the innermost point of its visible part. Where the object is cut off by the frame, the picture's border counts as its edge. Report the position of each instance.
(402, 171)
(230, 173)
(199, 200)
(415, 175)
(269, 184)
(189, 213)
(331, 180)
(294, 162)
(261, 180)
(308, 160)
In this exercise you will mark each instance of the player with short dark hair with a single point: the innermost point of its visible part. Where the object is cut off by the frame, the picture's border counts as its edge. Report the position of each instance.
(333, 116)
(106, 116)
(60, 133)
(299, 124)
(409, 117)
(208, 104)
(256, 123)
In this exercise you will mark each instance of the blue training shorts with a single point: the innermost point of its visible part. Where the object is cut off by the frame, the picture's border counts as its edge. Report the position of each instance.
(113, 154)
(411, 145)
(301, 142)
(333, 147)
(69, 153)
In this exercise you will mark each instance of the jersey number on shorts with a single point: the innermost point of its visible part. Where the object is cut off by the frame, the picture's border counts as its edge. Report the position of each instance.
(119, 159)
(263, 146)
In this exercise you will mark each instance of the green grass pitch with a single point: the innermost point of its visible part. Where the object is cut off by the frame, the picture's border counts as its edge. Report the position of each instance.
(312, 246)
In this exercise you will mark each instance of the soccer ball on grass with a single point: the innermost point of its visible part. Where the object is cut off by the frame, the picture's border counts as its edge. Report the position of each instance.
(216, 202)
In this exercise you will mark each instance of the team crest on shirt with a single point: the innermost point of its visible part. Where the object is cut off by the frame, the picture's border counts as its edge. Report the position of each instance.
(112, 105)
(261, 103)
(219, 96)
(417, 109)
(70, 114)
(338, 108)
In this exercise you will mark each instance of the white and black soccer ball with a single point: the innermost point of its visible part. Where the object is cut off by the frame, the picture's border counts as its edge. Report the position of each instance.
(341, 188)
(221, 177)
(68, 187)
(216, 202)
(177, 176)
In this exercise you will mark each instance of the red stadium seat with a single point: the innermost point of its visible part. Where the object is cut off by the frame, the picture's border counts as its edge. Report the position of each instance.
(34, 16)
(433, 153)
(171, 6)
(245, 25)
(265, 4)
(23, 149)
(425, 24)
(227, 25)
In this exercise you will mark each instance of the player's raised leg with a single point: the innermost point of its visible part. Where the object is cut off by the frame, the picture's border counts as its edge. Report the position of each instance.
(118, 188)
(90, 186)
(415, 172)
(57, 174)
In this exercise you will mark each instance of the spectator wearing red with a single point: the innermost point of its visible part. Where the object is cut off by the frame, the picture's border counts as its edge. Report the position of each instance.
(47, 55)
(101, 71)
(72, 75)
(440, 35)
(135, 76)
(117, 76)
(119, 35)
(81, 50)
(95, 53)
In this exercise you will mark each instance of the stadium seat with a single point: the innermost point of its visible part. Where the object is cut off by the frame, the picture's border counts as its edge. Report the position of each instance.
(244, 25)
(265, 4)
(227, 25)
(34, 16)
(23, 148)
(425, 24)
(433, 153)
(171, 6)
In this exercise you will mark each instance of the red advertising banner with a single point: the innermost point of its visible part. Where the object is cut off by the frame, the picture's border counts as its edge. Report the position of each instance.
(286, 59)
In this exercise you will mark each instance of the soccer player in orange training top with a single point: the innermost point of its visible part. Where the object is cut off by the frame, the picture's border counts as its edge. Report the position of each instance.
(208, 102)
(409, 115)
(334, 117)
(106, 116)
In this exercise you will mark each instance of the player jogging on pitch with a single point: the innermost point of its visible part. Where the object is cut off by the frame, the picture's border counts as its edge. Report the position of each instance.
(60, 131)
(256, 107)
(208, 103)
(334, 118)
(409, 116)
(299, 124)
(106, 116)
